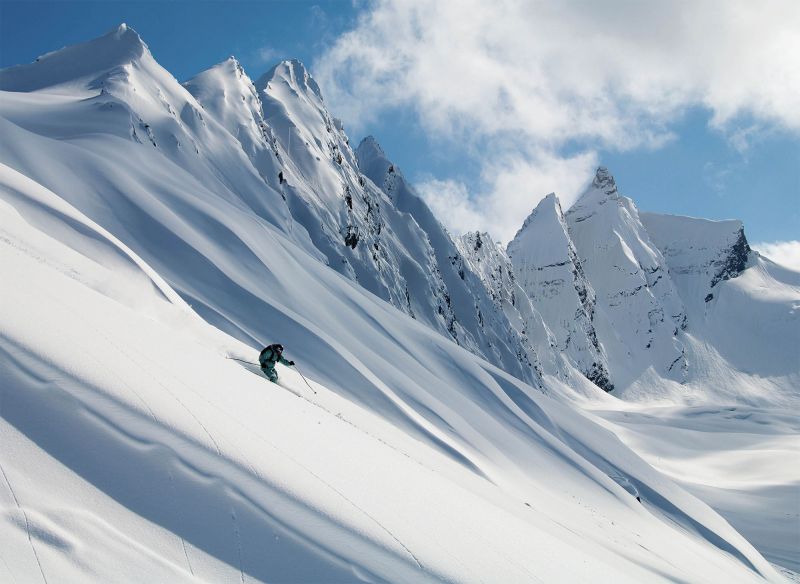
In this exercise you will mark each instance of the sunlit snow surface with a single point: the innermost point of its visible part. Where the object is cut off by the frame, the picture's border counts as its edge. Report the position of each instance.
(134, 449)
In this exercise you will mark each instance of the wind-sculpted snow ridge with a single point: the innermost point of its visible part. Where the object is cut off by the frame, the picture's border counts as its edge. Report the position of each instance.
(551, 274)
(303, 153)
(640, 314)
(134, 450)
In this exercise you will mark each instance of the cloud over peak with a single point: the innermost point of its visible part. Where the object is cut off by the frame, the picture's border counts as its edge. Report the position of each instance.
(539, 76)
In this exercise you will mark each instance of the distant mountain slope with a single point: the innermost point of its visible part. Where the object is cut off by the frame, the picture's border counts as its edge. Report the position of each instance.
(743, 326)
(486, 324)
(551, 274)
(667, 308)
(640, 311)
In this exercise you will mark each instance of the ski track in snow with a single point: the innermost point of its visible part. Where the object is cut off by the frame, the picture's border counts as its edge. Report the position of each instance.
(238, 538)
(283, 453)
(27, 523)
(334, 489)
(319, 478)
(183, 541)
(206, 475)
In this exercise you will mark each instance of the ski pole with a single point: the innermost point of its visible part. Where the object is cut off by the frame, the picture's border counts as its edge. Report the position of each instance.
(304, 379)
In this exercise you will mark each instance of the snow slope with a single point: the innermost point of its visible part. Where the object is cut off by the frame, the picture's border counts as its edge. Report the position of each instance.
(369, 236)
(743, 325)
(738, 459)
(135, 450)
(161, 470)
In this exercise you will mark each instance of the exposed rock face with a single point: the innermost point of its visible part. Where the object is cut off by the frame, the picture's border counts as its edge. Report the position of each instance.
(491, 263)
(734, 260)
(700, 253)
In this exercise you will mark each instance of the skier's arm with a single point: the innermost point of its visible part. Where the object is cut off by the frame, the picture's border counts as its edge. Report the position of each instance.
(286, 361)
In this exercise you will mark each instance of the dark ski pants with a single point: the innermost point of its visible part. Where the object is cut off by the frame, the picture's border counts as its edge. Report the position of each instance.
(271, 374)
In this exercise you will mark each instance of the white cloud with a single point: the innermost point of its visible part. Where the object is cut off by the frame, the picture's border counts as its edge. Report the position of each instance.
(268, 55)
(450, 201)
(510, 190)
(538, 76)
(786, 253)
(716, 176)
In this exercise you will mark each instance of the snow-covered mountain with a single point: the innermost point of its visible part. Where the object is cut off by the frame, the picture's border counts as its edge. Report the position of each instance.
(385, 240)
(551, 274)
(491, 263)
(742, 332)
(666, 307)
(639, 311)
(476, 320)
(153, 229)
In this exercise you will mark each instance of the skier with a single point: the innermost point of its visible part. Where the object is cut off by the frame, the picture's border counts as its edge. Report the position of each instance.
(269, 357)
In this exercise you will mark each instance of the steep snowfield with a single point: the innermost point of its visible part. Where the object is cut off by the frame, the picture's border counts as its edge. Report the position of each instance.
(135, 450)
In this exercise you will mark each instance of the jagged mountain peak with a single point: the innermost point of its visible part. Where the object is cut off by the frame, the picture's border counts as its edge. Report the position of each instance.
(127, 34)
(602, 189)
(550, 272)
(548, 217)
(374, 163)
(294, 73)
(548, 205)
(84, 62)
(642, 311)
(369, 148)
(550, 200)
(231, 65)
(228, 74)
(604, 181)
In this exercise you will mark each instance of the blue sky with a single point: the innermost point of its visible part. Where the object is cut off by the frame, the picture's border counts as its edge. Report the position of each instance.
(710, 150)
